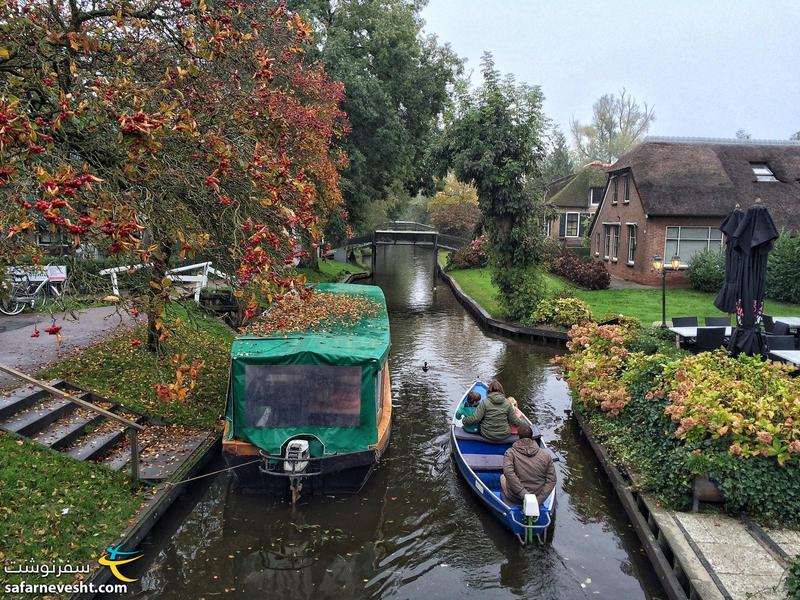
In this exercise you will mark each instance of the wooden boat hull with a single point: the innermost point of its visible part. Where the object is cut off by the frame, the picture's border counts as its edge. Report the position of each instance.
(480, 463)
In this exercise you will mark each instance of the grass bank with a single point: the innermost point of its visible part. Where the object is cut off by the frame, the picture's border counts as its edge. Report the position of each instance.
(643, 304)
(330, 271)
(57, 510)
(124, 371)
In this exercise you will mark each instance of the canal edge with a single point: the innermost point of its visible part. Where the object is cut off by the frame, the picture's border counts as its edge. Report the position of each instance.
(680, 571)
(155, 509)
(506, 328)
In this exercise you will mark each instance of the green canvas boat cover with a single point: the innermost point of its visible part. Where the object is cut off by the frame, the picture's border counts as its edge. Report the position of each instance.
(319, 384)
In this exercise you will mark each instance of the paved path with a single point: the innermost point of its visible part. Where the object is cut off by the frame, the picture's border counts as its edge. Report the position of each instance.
(19, 350)
(622, 284)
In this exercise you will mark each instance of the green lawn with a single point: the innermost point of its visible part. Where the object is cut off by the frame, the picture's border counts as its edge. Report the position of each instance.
(54, 509)
(126, 373)
(644, 304)
(330, 271)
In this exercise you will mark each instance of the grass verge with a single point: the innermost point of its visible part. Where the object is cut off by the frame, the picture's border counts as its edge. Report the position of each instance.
(330, 271)
(643, 304)
(54, 509)
(124, 372)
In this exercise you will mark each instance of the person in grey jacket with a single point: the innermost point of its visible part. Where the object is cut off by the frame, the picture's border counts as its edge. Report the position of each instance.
(527, 469)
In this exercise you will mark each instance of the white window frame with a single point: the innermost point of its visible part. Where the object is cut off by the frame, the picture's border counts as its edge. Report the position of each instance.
(762, 172)
(577, 225)
(680, 228)
(626, 189)
(632, 227)
(615, 189)
(597, 243)
(591, 197)
(615, 242)
(548, 227)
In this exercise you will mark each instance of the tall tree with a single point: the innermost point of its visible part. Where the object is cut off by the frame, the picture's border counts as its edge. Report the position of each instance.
(396, 83)
(495, 140)
(795, 136)
(618, 124)
(158, 130)
(559, 161)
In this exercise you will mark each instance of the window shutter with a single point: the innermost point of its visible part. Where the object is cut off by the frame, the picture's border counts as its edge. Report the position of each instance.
(562, 225)
(583, 218)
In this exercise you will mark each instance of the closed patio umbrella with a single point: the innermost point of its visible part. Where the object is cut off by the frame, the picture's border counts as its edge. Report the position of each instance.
(753, 241)
(726, 298)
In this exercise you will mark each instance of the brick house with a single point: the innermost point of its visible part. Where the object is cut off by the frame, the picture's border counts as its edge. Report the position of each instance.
(668, 196)
(575, 198)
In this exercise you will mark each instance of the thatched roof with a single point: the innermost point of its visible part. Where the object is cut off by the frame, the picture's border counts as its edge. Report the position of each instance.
(707, 178)
(573, 191)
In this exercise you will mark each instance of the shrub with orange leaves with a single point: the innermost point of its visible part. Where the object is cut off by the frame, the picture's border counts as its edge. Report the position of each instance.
(595, 364)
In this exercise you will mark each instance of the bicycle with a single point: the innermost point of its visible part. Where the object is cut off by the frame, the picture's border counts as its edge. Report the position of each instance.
(21, 291)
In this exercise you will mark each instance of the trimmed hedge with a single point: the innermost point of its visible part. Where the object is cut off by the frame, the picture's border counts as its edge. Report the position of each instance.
(562, 312)
(707, 270)
(587, 273)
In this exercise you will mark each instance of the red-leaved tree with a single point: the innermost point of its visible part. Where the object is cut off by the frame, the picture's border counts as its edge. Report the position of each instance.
(157, 130)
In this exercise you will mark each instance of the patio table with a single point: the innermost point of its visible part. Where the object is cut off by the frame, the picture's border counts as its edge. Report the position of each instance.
(792, 356)
(691, 332)
(792, 322)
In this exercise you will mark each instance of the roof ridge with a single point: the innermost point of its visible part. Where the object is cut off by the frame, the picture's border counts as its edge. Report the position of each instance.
(716, 140)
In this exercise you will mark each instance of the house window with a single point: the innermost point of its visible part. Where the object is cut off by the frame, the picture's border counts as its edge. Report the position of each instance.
(614, 231)
(44, 237)
(762, 172)
(631, 243)
(611, 242)
(626, 181)
(595, 195)
(615, 196)
(547, 225)
(573, 224)
(606, 241)
(597, 244)
(688, 241)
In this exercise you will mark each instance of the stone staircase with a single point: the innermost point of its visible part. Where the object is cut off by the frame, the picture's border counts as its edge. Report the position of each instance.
(86, 435)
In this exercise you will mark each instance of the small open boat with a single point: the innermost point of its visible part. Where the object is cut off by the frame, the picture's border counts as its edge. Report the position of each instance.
(311, 411)
(481, 463)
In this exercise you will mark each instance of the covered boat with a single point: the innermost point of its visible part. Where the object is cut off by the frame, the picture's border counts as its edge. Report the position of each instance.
(480, 461)
(310, 411)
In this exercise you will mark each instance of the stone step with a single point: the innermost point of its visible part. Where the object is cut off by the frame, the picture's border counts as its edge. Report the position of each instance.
(32, 420)
(66, 430)
(23, 397)
(95, 445)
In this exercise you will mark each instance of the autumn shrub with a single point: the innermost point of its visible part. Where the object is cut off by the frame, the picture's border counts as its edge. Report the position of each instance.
(594, 366)
(471, 256)
(783, 270)
(706, 270)
(792, 583)
(666, 417)
(584, 272)
(562, 312)
(742, 404)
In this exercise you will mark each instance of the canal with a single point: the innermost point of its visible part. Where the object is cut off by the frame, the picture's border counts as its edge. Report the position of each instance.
(414, 531)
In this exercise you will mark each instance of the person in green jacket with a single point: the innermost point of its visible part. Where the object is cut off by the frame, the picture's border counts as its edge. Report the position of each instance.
(495, 414)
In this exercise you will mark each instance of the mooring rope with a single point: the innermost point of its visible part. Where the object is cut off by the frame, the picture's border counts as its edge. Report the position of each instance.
(174, 483)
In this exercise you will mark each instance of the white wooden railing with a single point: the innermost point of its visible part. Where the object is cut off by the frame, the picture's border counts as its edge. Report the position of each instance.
(199, 280)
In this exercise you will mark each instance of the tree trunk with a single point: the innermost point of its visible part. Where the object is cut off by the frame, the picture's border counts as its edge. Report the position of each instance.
(157, 296)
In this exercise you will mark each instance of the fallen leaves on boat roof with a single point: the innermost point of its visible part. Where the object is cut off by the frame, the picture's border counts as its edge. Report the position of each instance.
(318, 312)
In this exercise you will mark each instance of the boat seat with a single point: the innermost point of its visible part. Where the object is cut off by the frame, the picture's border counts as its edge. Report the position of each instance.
(484, 462)
(477, 437)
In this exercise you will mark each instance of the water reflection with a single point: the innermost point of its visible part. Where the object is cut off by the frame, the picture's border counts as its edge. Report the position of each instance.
(415, 530)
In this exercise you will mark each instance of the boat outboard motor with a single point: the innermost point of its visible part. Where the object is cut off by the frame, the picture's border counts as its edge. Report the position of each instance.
(530, 506)
(296, 452)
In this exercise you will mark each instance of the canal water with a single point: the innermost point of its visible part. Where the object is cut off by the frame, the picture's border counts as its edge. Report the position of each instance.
(415, 530)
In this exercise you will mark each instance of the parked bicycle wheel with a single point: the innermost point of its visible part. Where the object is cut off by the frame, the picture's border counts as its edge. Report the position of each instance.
(9, 305)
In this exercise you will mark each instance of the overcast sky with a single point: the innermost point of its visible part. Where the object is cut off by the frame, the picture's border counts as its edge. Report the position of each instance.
(708, 67)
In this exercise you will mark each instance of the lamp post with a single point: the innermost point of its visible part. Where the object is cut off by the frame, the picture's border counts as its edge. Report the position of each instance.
(658, 265)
